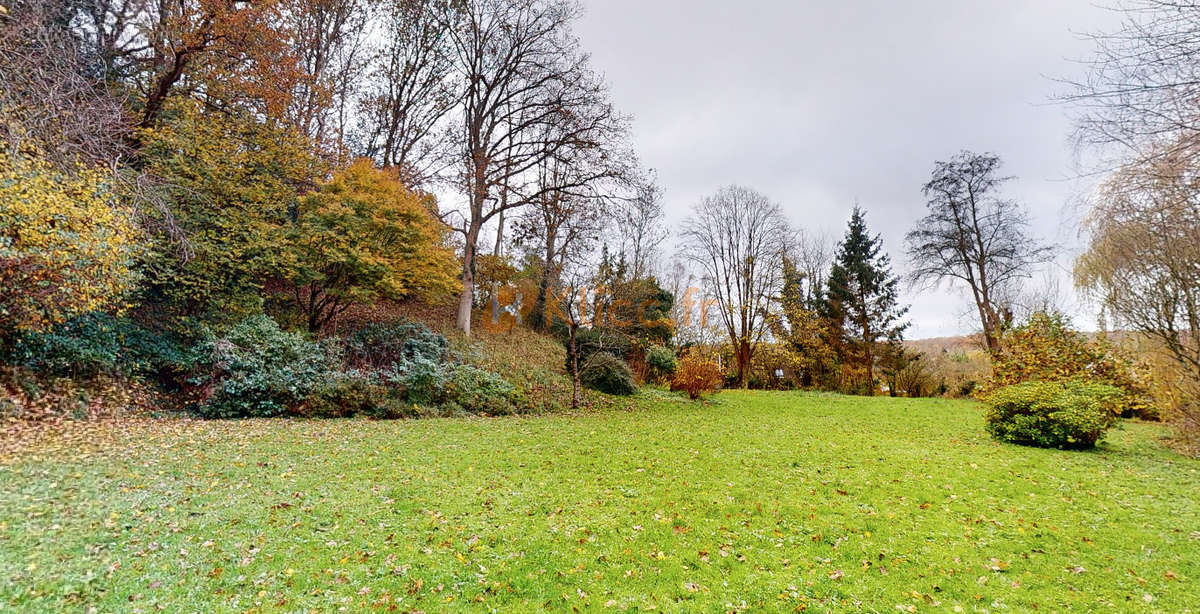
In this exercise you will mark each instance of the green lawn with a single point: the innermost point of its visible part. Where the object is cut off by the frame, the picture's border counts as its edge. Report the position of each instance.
(757, 502)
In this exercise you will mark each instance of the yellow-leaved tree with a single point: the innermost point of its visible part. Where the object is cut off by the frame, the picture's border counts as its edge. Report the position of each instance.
(364, 235)
(1046, 348)
(66, 244)
(231, 183)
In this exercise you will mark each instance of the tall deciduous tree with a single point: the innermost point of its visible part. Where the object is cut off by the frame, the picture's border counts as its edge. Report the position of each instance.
(642, 228)
(863, 298)
(559, 226)
(412, 88)
(1141, 90)
(737, 238)
(974, 236)
(528, 95)
(328, 40)
(225, 53)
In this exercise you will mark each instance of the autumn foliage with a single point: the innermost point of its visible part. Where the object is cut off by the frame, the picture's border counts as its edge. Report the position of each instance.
(366, 236)
(65, 245)
(697, 374)
(1046, 348)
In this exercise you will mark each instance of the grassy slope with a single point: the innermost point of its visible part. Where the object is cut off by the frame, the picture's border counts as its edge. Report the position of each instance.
(767, 500)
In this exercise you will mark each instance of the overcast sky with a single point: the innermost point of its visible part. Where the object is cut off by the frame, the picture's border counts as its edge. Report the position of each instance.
(821, 104)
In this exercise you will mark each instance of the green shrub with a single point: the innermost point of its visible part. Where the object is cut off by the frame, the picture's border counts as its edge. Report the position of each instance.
(481, 392)
(342, 394)
(380, 346)
(258, 370)
(1067, 414)
(607, 373)
(594, 340)
(661, 362)
(97, 344)
(420, 381)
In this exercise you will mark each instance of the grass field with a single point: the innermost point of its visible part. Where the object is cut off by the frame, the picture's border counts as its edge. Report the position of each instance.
(757, 502)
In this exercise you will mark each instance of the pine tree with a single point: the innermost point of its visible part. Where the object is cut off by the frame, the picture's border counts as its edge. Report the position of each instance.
(861, 299)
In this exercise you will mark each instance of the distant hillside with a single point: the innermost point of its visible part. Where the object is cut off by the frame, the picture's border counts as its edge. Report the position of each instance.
(935, 345)
(969, 343)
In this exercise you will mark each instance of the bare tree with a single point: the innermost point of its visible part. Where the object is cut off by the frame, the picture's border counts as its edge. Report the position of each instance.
(113, 33)
(1143, 259)
(1143, 83)
(411, 90)
(640, 223)
(811, 255)
(51, 98)
(56, 99)
(560, 225)
(328, 38)
(973, 236)
(737, 239)
(527, 95)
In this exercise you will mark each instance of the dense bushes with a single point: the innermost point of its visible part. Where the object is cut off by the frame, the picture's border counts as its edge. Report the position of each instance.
(660, 363)
(1068, 414)
(29, 396)
(607, 373)
(230, 184)
(697, 374)
(381, 371)
(342, 394)
(258, 370)
(66, 245)
(97, 344)
(481, 392)
(1047, 348)
(382, 345)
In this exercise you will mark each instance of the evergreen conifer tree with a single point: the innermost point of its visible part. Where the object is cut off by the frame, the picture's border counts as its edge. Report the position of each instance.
(861, 299)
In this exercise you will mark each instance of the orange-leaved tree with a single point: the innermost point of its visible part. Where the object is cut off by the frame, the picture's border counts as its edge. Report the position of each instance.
(364, 235)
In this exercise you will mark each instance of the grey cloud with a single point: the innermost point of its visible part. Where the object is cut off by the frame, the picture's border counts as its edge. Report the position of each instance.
(820, 104)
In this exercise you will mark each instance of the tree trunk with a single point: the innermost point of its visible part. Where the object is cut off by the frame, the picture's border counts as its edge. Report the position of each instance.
(537, 315)
(467, 299)
(573, 350)
(497, 251)
(870, 359)
(743, 363)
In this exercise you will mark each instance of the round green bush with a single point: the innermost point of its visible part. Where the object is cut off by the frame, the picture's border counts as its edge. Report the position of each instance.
(421, 381)
(607, 373)
(481, 392)
(383, 345)
(661, 361)
(1067, 414)
(591, 341)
